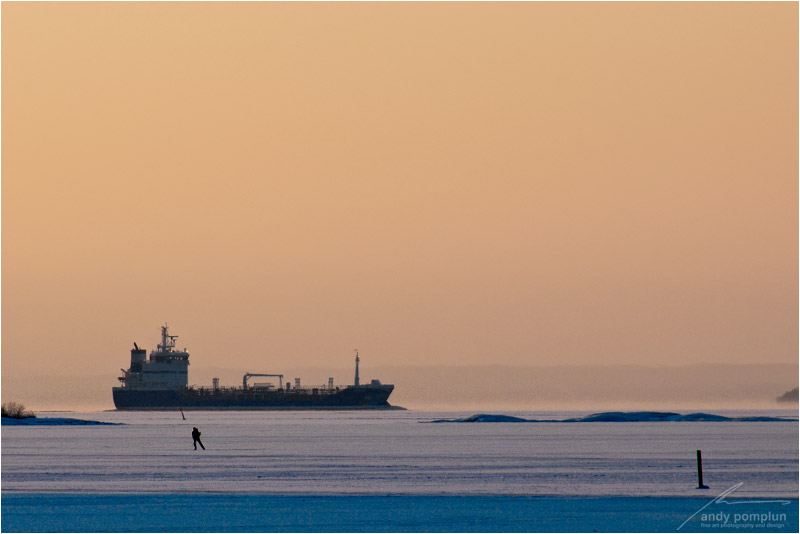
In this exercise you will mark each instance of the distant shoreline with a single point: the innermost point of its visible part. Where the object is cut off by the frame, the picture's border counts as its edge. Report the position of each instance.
(51, 421)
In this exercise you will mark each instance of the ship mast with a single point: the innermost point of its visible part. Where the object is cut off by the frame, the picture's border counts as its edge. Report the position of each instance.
(164, 332)
(167, 341)
(355, 382)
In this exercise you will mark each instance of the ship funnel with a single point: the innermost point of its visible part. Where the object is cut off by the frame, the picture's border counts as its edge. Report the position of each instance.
(138, 356)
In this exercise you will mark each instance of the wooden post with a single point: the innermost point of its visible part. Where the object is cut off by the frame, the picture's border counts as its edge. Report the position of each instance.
(700, 484)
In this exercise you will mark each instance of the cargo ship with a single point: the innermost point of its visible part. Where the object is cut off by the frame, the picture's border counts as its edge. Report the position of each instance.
(161, 382)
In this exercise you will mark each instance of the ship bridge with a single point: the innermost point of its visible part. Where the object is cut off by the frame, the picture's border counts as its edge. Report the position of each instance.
(167, 368)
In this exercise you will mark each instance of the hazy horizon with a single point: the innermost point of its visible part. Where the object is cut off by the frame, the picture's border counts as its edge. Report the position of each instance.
(478, 388)
(437, 184)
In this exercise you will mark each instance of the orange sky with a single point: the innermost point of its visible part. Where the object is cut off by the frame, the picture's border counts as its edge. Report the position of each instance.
(517, 183)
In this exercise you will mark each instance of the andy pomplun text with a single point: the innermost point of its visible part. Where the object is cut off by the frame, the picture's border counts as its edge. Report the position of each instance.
(751, 520)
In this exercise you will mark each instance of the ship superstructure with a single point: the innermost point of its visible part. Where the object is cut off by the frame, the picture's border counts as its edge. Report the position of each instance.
(161, 382)
(167, 368)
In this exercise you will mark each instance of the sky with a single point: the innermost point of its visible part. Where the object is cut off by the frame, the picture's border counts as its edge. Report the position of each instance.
(454, 184)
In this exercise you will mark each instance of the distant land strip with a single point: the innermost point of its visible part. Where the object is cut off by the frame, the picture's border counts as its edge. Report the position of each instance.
(613, 417)
(50, 421)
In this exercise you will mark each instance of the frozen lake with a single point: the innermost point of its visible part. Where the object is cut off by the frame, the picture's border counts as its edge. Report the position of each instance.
(320, 468)
(397, 452)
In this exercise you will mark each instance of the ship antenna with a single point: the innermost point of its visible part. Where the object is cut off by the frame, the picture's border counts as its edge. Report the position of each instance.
(355, 382)
(164, 333)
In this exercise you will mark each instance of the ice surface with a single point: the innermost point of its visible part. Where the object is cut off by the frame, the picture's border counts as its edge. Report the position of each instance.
(378, 513)
(380, 453)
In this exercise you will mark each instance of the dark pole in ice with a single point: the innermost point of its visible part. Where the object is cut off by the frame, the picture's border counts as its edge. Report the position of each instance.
(700, 484)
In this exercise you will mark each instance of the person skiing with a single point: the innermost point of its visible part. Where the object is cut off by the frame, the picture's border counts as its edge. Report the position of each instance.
(196, 438)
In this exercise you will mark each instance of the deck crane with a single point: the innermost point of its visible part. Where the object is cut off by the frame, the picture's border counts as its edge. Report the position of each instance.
(248, 375)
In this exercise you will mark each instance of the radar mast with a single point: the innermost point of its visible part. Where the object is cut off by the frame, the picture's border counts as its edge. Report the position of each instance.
(355, 382)
(167, 341)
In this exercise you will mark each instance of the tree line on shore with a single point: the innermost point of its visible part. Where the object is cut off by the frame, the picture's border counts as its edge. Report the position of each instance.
(15, 410)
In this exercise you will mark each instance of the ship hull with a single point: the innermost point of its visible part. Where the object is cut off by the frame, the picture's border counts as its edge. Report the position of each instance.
(350, 398)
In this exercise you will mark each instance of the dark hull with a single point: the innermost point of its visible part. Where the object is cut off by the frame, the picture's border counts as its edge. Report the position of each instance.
(351, 398)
